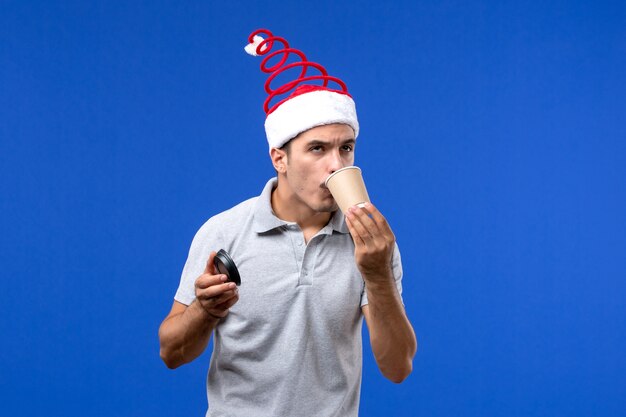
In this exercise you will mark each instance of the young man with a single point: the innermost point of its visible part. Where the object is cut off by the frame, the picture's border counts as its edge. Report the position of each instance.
(288, 341)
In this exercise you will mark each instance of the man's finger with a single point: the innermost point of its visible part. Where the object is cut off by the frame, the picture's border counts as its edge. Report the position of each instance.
(376, 222)
(228, 303)
(378, 218)
(210, 266)
(207, 280)
(355, 231)
(215, 290)
(366, 219)
(224, 298)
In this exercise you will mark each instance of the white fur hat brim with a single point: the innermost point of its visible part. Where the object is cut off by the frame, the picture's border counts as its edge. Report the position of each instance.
(308, 110)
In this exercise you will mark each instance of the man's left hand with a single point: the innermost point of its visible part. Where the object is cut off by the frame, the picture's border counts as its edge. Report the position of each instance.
(373, 240)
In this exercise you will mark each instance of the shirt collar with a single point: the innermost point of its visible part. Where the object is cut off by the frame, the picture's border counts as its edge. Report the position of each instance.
(265, 219)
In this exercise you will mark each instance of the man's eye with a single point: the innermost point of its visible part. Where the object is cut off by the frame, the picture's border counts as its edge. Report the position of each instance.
(316, 148)
(347, 148)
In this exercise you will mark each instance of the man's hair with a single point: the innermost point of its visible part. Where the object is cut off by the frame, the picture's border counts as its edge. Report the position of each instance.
(286, 147)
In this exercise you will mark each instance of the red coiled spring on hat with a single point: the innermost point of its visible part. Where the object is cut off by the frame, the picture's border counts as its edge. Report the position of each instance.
(264, 48)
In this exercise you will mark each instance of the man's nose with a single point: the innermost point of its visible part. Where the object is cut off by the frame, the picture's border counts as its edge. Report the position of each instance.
(336, 162)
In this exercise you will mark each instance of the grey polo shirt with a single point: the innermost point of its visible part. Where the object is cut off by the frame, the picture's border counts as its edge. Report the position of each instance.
(291, 346)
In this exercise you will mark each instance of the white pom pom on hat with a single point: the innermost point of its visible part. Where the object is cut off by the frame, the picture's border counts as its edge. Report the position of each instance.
(308, 105)
(251, 47)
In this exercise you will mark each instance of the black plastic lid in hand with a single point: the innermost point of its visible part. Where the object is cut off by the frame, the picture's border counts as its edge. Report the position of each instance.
(225, 265)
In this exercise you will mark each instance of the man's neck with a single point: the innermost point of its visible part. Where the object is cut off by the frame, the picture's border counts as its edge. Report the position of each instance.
(286, 207)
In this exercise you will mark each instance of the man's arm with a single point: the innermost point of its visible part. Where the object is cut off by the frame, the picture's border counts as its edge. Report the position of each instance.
(391, 334)
(185, 332)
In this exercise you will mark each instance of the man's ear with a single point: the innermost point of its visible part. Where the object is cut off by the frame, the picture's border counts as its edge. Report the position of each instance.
(279, 160)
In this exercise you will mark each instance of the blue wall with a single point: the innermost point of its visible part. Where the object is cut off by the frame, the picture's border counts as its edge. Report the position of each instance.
(493, 139)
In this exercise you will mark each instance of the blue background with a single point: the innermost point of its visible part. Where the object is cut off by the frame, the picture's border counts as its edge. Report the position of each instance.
(493, 139)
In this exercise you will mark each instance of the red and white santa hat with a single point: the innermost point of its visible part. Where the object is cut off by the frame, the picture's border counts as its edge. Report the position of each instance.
(308, 105)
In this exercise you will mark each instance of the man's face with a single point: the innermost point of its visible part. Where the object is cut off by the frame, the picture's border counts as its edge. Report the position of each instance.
(311, 157)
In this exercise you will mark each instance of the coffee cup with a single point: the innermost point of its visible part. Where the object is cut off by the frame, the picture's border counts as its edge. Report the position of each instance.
(347, 187)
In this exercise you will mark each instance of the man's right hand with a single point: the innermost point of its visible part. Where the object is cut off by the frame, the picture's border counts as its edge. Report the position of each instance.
(215, 295)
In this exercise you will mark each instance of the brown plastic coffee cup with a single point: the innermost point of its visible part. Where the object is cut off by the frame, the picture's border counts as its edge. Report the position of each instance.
(347, 187)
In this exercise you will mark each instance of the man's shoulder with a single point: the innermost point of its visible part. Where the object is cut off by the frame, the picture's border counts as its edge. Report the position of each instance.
(228, 223)
(233, 216)
(234, 221)
(238, 212)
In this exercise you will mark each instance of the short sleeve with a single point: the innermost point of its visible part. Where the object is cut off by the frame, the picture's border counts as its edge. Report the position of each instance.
(206, 240)
(396, 266)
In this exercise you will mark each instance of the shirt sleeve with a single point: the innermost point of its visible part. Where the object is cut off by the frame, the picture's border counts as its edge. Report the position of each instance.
(396, 266)
(206, 240)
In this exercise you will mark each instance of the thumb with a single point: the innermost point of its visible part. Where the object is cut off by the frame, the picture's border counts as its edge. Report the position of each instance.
(210, 266)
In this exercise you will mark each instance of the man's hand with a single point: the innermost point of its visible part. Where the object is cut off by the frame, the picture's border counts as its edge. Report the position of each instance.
(215, 295)
(185, 332)
(373, 240)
